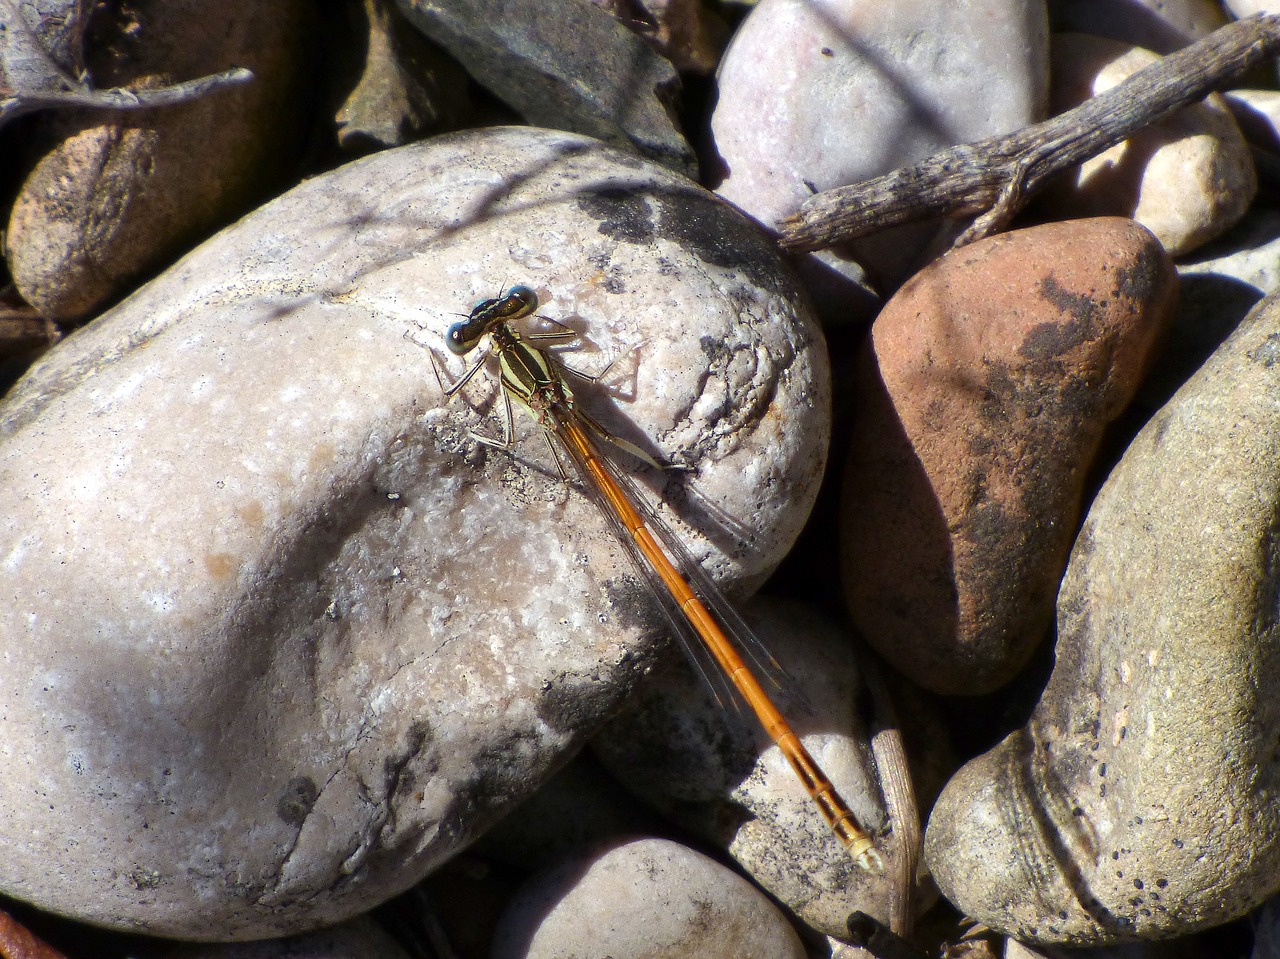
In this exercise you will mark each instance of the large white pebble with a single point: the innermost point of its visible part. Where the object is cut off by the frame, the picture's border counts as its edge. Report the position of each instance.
(280, 637)
(643, 899)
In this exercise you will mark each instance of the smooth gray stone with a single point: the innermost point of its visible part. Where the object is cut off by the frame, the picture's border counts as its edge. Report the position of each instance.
(566, 64)
(1140, 800)
(643, 899)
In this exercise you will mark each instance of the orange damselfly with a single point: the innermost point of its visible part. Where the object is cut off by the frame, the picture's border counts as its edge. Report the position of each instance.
(536, 380)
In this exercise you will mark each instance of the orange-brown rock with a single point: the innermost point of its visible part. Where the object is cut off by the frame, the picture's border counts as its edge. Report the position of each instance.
(983, 393)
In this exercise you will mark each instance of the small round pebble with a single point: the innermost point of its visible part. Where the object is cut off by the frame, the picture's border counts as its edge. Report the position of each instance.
(643, 899)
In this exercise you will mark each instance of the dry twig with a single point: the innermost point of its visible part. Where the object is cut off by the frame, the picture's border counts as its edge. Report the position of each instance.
(120, 98)
(900, 798)
(41, 67)
(997, 176)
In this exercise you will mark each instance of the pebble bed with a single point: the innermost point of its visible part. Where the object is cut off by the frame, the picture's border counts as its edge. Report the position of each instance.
(295, 667)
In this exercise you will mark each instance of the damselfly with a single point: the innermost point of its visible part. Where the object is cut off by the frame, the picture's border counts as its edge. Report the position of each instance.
(536, 380)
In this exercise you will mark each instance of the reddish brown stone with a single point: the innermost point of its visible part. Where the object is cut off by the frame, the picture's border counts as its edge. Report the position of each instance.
(983, 393)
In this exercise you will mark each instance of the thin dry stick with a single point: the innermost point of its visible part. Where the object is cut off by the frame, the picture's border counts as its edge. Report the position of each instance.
(119, 98)
(995, 177)
(899, 796)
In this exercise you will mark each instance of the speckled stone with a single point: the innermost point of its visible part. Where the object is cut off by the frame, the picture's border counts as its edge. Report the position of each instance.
(982, 396)
(280, 635)
(114, 196)
(644, 899)
(1140, 799)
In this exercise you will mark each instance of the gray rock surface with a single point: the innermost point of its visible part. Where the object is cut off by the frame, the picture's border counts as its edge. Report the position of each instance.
(1140, 799)
(280, 636)
(567, 65)
(643, 899)
(712, 770)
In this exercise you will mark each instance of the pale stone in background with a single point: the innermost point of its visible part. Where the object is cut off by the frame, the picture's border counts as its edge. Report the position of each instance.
(644, 899)
(815, 94)
(1188, 178)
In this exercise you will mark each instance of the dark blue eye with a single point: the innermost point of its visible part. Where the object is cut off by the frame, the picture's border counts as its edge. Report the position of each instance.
(520, 301)
(459, 339)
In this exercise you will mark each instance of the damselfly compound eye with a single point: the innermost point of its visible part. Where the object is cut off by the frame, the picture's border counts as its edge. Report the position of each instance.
(462, 338)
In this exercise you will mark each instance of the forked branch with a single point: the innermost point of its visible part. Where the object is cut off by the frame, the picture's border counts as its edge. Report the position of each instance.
(994, 178)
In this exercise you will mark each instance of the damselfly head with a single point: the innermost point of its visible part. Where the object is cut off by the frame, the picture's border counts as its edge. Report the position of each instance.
(516, 302)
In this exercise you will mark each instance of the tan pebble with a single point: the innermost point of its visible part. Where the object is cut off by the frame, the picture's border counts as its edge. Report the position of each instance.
(1188, 178)
(644, 899)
